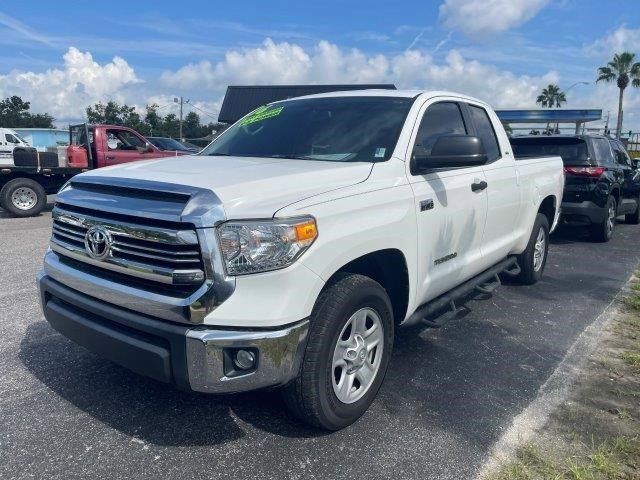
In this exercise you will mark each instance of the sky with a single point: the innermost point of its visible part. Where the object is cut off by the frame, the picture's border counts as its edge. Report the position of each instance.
(65, 55)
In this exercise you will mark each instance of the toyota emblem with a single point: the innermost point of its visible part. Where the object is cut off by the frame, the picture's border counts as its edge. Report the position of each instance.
(97, 242)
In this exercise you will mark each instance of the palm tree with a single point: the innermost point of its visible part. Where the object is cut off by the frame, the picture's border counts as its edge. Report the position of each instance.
(550, 97)
(622, 69)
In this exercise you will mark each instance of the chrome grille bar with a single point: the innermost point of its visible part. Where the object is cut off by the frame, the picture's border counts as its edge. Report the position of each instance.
(155, 254)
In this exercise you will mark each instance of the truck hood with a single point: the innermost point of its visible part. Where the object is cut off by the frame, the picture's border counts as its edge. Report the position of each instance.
(249, 187)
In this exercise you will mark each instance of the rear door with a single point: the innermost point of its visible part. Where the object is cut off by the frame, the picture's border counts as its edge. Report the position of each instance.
(503, 193)
(450, 216)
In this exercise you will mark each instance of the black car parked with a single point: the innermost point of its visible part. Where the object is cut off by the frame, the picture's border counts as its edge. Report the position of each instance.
(601, 182)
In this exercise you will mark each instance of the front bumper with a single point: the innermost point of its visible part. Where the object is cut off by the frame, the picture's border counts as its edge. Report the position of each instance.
(191, 357)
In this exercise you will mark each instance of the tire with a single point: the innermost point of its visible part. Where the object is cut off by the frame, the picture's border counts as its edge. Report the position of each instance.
(633, 218)
(23, 197)
(603, 231)
(313, 395)
(534, 258)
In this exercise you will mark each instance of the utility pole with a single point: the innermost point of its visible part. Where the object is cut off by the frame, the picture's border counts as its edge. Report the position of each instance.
(175, 100)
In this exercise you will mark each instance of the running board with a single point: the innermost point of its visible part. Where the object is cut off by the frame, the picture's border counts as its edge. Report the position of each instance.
(485, 282)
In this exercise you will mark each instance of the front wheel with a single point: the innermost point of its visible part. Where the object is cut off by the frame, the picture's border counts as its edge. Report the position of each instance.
(533, 260)
(347, 355)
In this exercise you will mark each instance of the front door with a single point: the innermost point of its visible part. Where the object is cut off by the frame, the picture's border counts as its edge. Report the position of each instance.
(451, 216)
(124, 145)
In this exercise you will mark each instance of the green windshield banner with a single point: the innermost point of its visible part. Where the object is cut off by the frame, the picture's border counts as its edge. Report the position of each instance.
(260, 114)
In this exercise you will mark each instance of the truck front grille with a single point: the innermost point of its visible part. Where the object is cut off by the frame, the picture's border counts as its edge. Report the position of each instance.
(162, 255)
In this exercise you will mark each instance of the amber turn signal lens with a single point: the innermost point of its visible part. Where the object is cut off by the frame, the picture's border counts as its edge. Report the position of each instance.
(306, 231)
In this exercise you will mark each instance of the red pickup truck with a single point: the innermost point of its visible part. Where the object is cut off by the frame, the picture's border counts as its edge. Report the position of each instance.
(95, 146)
(24, 186)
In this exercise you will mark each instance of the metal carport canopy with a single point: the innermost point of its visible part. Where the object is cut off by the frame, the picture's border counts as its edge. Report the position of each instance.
(555, 115)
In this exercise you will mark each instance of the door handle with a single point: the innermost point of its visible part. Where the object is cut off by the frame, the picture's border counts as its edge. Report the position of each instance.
(478, 186)
(110, 157)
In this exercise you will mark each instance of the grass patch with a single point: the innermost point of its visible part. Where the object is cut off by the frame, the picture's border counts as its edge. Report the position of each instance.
(631, 358)
(581, 440)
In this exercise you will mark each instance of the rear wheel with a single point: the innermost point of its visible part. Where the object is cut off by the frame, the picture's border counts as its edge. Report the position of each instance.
(347, 355)
(603, 231)
(634, 218)
(533, 260)
(23, 197)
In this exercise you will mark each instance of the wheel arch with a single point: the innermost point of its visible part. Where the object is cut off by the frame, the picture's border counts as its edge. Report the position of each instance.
(615, 193)
(548, 208)
(389, 268)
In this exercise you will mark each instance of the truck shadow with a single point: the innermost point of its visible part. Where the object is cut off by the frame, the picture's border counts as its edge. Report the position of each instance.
(144, 408)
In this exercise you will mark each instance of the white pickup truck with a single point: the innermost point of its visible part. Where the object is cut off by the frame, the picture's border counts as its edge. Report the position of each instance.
(288, 251)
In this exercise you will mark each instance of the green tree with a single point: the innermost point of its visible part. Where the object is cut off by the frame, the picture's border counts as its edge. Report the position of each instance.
(622, 70)
(191, 125)
(171, 126)
(551, 96)
(14, 112)
(152, 120)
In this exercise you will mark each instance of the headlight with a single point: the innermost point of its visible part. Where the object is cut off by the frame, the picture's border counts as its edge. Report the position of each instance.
(260, 246)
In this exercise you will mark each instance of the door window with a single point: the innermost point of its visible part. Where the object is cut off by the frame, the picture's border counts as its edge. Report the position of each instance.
(621, 156)
(10, 138)
(444, 118)
(485, 132)
(124, 140)
(602, 151)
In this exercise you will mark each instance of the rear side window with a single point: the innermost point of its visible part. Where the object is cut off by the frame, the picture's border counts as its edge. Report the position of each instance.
(573, 151)
(621, 155)
(485, 132)
(440, 119)
(602, 151)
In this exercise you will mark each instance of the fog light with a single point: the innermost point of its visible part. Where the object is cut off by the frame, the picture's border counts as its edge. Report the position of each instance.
(245, 360)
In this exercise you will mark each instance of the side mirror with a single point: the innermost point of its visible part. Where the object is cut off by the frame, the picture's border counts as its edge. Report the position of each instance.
(450, 151)
(149, 148)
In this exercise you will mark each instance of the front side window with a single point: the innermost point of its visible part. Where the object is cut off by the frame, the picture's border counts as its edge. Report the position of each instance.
(443, 118)
(337, 129)
(485, 132)
(10, 138)
(124, 140)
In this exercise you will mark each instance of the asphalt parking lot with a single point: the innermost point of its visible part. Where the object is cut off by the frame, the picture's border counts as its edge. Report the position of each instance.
(448, 396)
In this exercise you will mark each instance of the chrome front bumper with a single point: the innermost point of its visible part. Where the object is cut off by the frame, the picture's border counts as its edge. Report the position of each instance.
(197, 358)
(210, 366)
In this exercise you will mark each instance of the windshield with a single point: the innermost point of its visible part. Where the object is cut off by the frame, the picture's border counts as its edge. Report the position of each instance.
(572, 150)
(340, 129)
(166, 143)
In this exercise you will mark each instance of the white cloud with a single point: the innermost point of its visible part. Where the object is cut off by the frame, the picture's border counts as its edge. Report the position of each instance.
(481, 18)
(283, 63)
(65, 92)
(619, 40)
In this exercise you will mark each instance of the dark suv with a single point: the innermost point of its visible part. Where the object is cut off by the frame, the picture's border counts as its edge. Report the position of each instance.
(600, 180)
